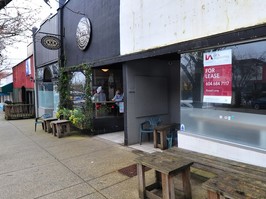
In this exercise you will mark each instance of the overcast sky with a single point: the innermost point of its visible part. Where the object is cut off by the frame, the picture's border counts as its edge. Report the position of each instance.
(18, 52)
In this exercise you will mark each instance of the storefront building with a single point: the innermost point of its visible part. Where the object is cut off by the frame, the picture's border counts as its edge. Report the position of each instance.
(201, 65)
(222, 69)
(47, 66)
(23, 82)
(91, 36)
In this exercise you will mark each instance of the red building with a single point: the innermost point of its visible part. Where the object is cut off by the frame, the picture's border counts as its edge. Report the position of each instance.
(23, 81)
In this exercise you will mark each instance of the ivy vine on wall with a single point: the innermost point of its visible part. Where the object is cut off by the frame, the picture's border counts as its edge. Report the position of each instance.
(88, 102)
(64, 89)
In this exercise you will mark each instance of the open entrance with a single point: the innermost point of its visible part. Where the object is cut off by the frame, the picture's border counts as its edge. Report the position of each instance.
(23, 95)
(152, 88)
(108, 98)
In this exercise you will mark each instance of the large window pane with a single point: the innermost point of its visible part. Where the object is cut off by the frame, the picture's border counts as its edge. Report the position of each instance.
(226, 100)
(45, 94)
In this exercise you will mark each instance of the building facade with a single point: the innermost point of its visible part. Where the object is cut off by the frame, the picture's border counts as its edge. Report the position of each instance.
(47, 67)
(23, 82)
(200, 64)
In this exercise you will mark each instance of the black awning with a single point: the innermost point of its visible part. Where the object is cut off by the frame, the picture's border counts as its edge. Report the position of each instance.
(8, 88)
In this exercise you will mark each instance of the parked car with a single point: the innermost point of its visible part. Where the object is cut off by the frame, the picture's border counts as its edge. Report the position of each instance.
(259, 103)
(79, 100)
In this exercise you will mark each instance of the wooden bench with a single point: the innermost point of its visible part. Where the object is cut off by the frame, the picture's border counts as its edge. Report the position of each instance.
(47, 124)
(166, 168)
(60, 127)
(159, 135)
(232, 179)
(228, 186)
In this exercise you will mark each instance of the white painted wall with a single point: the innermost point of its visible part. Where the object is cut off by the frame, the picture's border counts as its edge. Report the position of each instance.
(221, 149)
(6, 80)
(147, 24)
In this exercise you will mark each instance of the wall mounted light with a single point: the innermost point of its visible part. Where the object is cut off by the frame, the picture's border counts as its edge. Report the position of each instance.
(105, 70)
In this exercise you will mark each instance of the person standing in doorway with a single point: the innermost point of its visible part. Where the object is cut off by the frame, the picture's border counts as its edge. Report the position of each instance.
(99, 96)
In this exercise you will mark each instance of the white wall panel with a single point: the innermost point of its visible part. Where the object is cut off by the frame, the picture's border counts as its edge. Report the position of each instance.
(221, 149)
(147, 24)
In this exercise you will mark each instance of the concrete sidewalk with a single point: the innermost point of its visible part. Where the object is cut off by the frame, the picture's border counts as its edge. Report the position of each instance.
(39, 165)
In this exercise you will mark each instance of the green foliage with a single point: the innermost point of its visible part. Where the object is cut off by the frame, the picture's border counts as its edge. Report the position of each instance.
(81, 118)
(88, 103)
(64, 90)
(63, 113)
(77, 118)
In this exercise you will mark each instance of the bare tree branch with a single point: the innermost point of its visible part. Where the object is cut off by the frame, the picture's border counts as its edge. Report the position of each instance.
(16, 21)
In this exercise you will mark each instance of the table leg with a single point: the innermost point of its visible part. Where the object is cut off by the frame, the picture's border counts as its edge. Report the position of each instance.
(54, 129)
(213, 195)
(59, 130)
(45, 126)
(141, 179)
(49, 127)
(171, 187)
(164, 140)
(68, 128)
(186, 183)
(155, 139)
(167, 187)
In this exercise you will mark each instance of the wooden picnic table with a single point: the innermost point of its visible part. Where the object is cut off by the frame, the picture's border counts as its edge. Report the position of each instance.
(232, 179)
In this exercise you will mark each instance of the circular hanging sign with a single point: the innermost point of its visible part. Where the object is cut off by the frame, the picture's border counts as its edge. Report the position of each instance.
(50, 42)
(83, 33)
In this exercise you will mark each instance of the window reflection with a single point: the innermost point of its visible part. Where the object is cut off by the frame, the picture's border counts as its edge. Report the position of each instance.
(240, 120)
(78, 89)
(45, 94)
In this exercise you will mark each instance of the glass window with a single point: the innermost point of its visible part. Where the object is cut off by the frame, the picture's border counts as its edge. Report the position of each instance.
(223, 93)
(108, 91)
(77, 89)
(45, 94)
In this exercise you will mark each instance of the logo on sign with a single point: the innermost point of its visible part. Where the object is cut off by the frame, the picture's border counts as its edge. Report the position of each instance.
(208, 57)
(50, 42)
(83, 33)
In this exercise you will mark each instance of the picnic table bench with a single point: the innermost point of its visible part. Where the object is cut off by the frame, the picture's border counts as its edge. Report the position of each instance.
(240, 187)
(60, 127)
(232, 179)
(47, 124)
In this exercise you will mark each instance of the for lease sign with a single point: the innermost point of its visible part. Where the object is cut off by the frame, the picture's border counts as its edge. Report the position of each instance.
(217, 78)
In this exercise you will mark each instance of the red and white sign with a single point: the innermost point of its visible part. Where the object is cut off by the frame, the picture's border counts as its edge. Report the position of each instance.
(217, 78)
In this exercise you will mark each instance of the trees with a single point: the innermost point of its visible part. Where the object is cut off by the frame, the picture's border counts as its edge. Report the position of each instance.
(248, 74)
(192, 67)
(16, 21)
